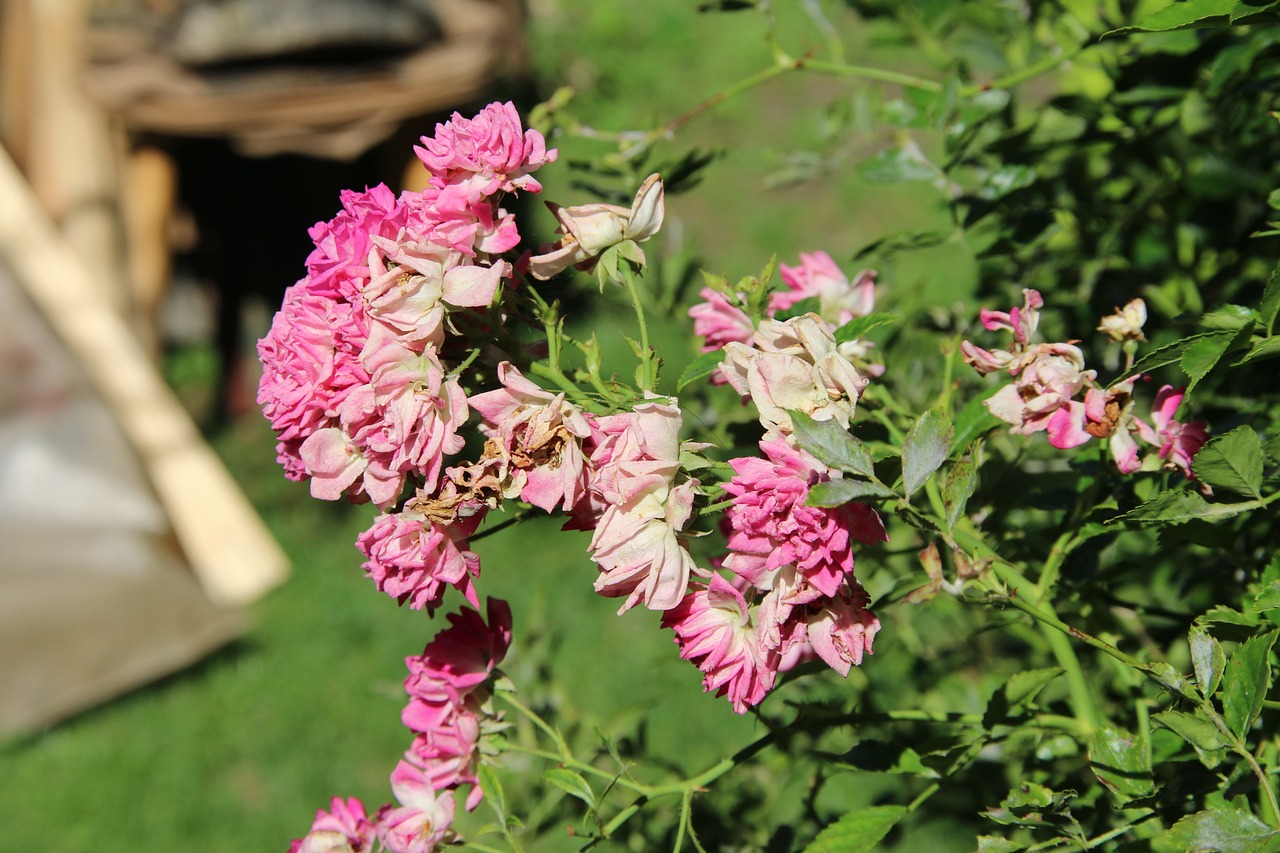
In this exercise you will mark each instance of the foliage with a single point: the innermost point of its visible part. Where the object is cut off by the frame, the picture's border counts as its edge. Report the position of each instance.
(1121, 628)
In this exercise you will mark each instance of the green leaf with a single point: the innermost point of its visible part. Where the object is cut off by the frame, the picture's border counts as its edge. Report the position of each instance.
(1202, 734)
(1271, 296)
(925, 449)
(897, 165)
(1229, 317)
(1166, 676)
(571, 783)
(857, 832)
(832, 444)
(858, 327)
(1203, 355)
(1232, 462)
(1246, 10)
(959, 485)
(1221, 830)
(1122, 762)
(1267, 599)
(1178, 506)
(1030, 804)
(493, 793)
(1185, 14)
(995, 844)
(810, 305)
(1265, 348)
(839, 492)
(700, 368)
(1208, 659)
(1005, 180)
(1246, 681)
(1173, 352)
(1016, 695)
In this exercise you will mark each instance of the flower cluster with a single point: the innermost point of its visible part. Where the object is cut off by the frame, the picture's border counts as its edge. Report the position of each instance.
(793, 595)
(396, 355)
(354, 380)
(449, 687)
(721, 318)
(1052, 392)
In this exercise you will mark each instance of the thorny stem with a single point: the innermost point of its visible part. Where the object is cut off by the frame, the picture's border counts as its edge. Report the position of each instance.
(866, 72)
(1097, 840)
(1044, 66)
(1056, 635)
(685, 787)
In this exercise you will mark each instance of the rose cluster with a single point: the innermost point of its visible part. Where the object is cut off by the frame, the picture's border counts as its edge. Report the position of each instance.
(450, 707)
(1049, 380)
(400, 336)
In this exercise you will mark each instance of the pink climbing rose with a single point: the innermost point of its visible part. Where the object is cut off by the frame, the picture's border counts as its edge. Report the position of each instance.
(770, 526)
(420, 824)
(540, 436)
(714, 630)
(486, 154)
(343, 829)
(412, 558)
(1178, 443)
(818, 276)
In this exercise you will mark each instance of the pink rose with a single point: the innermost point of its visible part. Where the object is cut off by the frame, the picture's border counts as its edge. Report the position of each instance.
(819, 277)
(714, 631)
(422, 820)
(488, 153)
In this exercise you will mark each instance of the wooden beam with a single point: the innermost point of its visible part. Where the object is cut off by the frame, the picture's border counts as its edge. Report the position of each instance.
(223, 537)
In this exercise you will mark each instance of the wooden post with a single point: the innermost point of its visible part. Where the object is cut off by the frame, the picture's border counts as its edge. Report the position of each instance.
(224, 539)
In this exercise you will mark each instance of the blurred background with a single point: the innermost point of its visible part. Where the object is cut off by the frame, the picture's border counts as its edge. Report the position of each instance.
(166, 687)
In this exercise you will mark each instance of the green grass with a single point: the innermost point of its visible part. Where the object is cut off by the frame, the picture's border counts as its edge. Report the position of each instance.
(237, 752)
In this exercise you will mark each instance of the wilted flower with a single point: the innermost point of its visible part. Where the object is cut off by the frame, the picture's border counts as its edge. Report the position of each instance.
(1049, 376)
(1021, 321)
(794, 365)
(588, 230)
(540, 436)
(1126, 324)
(842, 631)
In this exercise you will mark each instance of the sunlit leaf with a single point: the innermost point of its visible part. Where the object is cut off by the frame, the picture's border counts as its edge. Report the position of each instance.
(858, 327)
(859, 831)
(571, 783)
(1208, 659)
(1232, 462)
(1222, 830)
(700, 368)
(839, 492)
